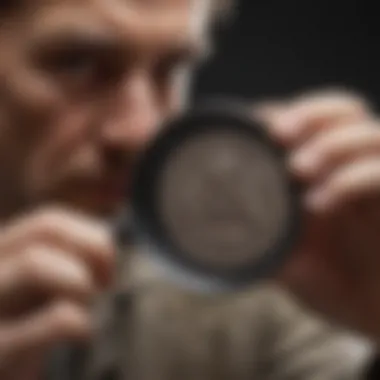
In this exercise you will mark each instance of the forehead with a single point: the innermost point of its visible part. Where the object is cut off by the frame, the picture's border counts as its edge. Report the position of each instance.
(148, 21)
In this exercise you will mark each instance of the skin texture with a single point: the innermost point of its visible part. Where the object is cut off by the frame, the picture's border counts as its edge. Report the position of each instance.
(333, 148)
(84, 85)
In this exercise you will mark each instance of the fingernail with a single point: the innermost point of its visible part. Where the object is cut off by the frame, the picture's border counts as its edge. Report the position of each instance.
(286, 125)
(266, 109)
(303, 161)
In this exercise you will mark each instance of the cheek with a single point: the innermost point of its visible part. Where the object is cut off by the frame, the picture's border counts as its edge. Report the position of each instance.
(65, 147)
(28, 104)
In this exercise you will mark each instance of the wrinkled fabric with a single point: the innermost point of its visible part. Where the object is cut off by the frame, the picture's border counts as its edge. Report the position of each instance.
(164, 333)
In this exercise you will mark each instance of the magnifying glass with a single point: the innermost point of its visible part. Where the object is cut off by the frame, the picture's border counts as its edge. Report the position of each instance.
(213, 200)
(212, 203)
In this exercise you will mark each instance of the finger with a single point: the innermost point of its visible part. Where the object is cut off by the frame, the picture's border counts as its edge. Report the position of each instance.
(44, 270)
(353, 181)
(310, 114)
(268, 109)
(315, 272)
(317, 282)
(357, 236)
(322, 154)
(72, 231)
(60, 322)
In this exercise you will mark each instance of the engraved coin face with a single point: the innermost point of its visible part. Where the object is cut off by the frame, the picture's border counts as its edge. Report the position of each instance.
(223, 198)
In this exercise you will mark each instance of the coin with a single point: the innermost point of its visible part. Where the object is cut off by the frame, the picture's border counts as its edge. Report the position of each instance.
(222, 198)
(212, 200)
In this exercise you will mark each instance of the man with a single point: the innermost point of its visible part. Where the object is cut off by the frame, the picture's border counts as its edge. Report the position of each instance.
(84, 85)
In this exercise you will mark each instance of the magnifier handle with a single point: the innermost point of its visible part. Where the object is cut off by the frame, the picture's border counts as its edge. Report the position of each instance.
(66, 363)
(72, 361)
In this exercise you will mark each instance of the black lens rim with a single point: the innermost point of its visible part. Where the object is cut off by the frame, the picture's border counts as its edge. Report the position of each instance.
(209, 116)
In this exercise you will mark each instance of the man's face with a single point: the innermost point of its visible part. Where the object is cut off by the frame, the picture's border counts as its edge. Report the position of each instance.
(84, 85)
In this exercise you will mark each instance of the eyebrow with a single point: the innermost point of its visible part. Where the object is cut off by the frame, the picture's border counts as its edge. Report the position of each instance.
(93, 38)
(74, 37)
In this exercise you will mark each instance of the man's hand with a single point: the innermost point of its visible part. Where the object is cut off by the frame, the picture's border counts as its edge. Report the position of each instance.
(51, 265)
(333, 141)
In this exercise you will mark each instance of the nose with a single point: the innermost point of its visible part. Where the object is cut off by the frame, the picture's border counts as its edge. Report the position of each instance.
(133, 115)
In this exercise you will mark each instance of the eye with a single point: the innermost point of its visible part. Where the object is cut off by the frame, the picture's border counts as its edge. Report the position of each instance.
(85, 68)
(79, 60)
(76, 63)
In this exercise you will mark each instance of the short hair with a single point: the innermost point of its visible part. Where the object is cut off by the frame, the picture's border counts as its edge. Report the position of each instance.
(222, 7)
(223, 10)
